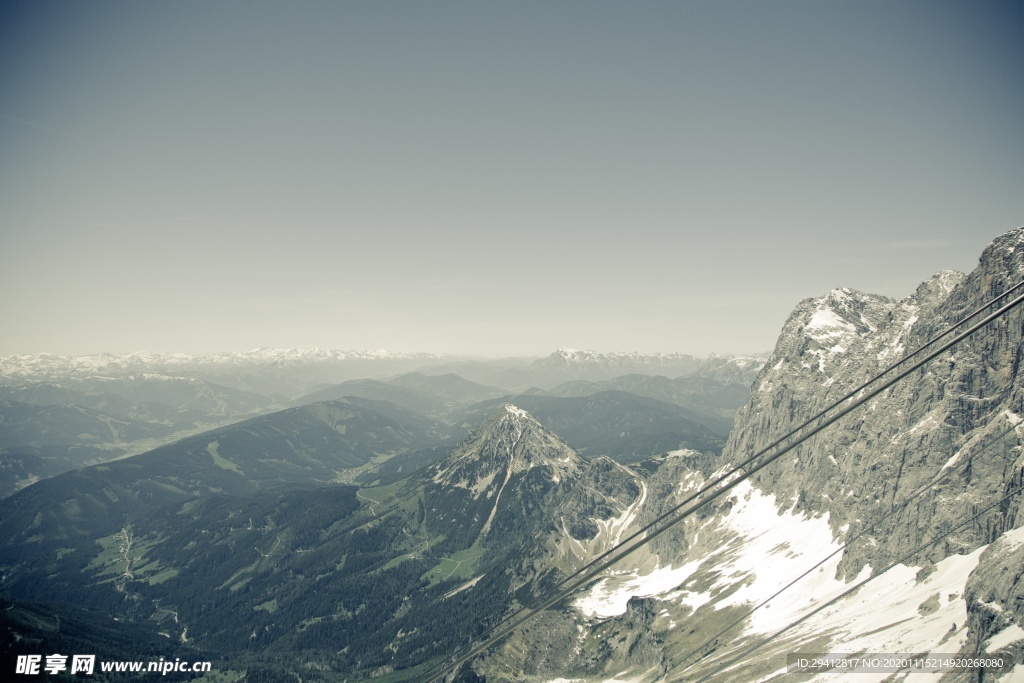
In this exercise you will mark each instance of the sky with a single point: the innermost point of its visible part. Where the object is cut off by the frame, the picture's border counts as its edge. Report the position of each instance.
(490, 178)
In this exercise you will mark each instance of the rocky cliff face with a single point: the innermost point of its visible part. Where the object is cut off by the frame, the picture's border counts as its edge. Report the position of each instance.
(913, 464)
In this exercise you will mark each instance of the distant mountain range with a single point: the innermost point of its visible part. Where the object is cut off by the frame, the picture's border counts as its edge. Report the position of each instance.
(562, 365)
(172, 396)
(47, 364)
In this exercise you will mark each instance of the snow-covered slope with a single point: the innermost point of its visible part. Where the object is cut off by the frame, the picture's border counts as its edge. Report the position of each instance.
(744, 567)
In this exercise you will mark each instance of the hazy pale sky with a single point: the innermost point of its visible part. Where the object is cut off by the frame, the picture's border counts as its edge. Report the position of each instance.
(491, 178)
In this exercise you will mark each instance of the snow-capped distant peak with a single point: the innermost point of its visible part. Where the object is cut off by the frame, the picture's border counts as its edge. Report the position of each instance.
(587, 354)
(575, 355)
(34, 366)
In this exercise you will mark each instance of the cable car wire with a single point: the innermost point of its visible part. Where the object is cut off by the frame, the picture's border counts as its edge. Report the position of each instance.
(725, 666)
(937, 479)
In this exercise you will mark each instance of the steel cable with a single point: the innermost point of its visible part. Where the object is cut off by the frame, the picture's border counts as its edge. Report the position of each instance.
(679, 512)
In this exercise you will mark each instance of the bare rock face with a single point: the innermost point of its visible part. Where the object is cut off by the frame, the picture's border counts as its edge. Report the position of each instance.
(945, 438)
(995, 596)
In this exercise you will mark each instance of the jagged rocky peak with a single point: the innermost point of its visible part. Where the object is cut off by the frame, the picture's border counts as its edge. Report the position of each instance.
(824, 339)
(824, 333)
(843, 312)
(508, 442)
(846, 335)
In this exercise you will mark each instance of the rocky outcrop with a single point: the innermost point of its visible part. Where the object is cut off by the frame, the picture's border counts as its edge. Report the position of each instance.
(995, 596)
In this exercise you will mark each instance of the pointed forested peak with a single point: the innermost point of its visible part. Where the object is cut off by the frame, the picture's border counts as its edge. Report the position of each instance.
(510, 440)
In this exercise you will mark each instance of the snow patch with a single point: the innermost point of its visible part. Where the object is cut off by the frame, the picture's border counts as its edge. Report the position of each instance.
(758, 550)
(1010, 541)
(763, 550)
(609, 597)
(1007, 636)
(514, 410)
(895, 347)
(617, 678)
(1015, 676)
(769, 549)
(679, 453)
(830, 321)
(930, 421)
(952, 461)
(886, 614)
